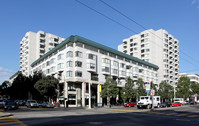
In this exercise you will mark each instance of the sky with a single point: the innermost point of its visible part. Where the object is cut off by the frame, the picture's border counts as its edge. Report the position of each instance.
(68, 17)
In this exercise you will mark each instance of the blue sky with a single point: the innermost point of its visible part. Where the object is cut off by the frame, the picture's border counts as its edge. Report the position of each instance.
(67, 17)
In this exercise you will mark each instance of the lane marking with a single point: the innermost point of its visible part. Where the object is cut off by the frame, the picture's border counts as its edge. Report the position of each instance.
(181, 115)
(193, 116)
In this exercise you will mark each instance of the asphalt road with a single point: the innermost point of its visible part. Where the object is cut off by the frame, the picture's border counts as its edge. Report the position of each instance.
(180, 116)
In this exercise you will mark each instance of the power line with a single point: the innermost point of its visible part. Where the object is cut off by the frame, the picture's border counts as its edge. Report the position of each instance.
(141, 26)
(107, 17)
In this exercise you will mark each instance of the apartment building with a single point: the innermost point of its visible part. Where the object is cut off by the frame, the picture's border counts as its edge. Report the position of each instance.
(35, 45)
(192, 76)
(157, 47)
(82, 66)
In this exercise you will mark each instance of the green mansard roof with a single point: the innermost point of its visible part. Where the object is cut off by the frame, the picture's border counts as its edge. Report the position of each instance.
(76, 38)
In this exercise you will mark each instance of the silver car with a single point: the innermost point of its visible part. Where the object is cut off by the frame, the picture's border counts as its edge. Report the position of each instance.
(32, 103)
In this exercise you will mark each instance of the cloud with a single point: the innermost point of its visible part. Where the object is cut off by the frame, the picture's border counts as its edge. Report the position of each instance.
(194, 2)
(5, 74)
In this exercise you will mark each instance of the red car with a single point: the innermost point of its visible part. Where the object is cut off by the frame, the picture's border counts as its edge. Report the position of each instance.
(176, 104)
(131, 104)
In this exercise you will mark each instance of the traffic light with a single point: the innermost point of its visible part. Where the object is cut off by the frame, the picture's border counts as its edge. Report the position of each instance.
(151, 84)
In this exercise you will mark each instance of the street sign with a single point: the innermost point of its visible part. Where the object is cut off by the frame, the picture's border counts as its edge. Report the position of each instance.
(153, 92)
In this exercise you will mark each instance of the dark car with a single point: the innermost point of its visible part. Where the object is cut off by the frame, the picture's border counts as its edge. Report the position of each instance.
(47, 105)
(165, 104)
(10, 105)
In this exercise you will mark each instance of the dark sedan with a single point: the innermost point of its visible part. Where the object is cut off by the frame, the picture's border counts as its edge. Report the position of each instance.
(165, 104)
(10, 105)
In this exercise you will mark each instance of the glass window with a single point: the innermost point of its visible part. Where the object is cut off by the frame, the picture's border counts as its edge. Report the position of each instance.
(69, 54)
(60, 66)
(115, 71)
(105, 69)
(115, 63)
(69, 73)
(47, 63)
(72, 99)
(105, 60)
(78, 73)
(78, 64)
(69, 64)
(60, 56)
(78, 54)
(122, 65)
(90, 66)
(91, 56)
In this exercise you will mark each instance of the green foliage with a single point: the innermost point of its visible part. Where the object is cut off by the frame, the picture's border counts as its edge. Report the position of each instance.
(47, 86)
(183, 88)
(109, 89)
(141, 91)
(4, 88)
(195, 88)
(128, 92)
(166, 91)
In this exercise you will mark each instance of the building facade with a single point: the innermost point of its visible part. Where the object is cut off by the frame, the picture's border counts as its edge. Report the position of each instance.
(35, 45)
(157, 47)
(192, 76)
(82, 66)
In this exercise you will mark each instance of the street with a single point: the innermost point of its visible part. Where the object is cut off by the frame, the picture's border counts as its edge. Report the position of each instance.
(185, 115)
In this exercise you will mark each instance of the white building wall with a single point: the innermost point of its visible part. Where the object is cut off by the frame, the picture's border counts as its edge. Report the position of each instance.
(163, 51)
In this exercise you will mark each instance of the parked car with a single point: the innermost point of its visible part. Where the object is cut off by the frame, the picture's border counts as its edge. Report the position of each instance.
(192, 102)
(2, 103)
(10, 105)
(175, 104)
(32, 103)
(47, 105)
(165, 104)
(130, 104)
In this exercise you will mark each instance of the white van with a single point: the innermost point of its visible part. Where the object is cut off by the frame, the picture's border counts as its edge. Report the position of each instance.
(146, 102)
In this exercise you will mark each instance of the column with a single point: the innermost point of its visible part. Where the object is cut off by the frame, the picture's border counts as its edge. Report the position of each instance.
(89, 92)
(83, 94)
(99, 99)
(65, 93)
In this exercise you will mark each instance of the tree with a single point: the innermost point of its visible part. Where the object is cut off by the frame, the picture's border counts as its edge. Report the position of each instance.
(141, 91)
(32, 81)
(47, 86)
(195, 88)
(183, 88)
(128, 92)
(166, 91)
(4, 88)
(109, 89)
(18, 90)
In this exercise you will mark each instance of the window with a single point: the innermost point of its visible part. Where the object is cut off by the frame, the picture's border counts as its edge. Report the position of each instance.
(105, 60)
(105, 69)
(70, 44)
(69, 73)
(122, 65)
(60, 56)
(115, 63)
(47, 63)
(112, 55)
(91, 56)
(115, 71)
(78, 54)
(60, 66)
(56, 39)
(147, 50)
(69, 54)
(131, 40)
(123, 73)
(79, 44)
(52, 60)
(78, 64)
(71, 99)
(69, 64)
(142, 36)
(71, 87)
(52, 69)
(142, 40)
(90, 66)
(78, 73)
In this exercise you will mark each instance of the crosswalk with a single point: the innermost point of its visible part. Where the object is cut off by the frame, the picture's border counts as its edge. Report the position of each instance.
(10, 121)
